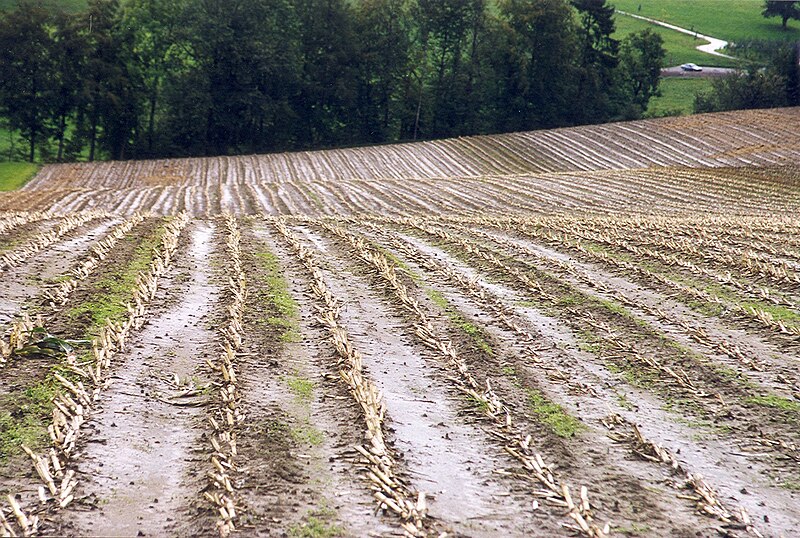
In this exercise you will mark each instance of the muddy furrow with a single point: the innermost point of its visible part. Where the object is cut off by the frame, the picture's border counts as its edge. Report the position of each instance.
(10, 222)
(701, 268)
(748, 317)
(643, 352)
(383, 473)
(142, 458)
(23, 288)
(584, 386)
(751, 356)
(20, 253)
(78, 383)
(60, 291)
(510, 357)
(297, 467)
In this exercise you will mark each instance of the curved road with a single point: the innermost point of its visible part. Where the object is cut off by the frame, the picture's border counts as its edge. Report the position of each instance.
(712, 47)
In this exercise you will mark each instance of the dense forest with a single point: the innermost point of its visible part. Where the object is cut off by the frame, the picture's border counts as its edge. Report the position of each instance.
(148, 78)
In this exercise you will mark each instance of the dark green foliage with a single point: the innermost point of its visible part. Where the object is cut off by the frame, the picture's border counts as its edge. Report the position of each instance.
(751, 89)
(538, 64)
(777, 84)
(599, 56)
(785, 9)
(641, 58)
(27, 59)
(151, 78)
(383, 29)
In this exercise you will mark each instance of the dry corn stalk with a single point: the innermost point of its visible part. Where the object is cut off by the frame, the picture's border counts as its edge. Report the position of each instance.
(99, 252)
(74, 399)
(45, 239)
(519, 444)
(388, 489)
(227, 416)
(706, 498)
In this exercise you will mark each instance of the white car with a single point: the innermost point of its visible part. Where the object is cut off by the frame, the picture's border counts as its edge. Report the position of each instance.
(691, 67)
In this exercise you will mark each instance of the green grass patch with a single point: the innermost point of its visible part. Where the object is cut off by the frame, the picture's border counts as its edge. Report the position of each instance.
(475, 333)
(791, 485)
(307, 435)
(615, 308)
(680, 47)
(315, 526)
(634, 529)
(71, 6)
(570, 299)
(720, 291)
(590, 342)
(778, 312)
(623, 402)
(116, 288)
(553, 415)
(677, 96)
(731, 20)
(279, 298)
(775, 402)
(15, 175)
(602, 249)
(302, 388)
(27, 422)
(479, 404)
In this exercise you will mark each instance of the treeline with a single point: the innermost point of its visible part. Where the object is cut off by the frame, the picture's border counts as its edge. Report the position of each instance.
(149, 78)
(773, 80)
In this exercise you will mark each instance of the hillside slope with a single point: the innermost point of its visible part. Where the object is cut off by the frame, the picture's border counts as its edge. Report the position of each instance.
(622, 166)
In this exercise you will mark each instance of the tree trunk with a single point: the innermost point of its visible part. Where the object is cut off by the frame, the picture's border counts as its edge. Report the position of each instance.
(32, 154)
(62, 126)
(151, 120)
(93, 139)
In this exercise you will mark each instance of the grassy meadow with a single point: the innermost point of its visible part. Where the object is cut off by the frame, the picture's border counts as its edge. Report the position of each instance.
(730, 20)
(15, 175)
(677, 96)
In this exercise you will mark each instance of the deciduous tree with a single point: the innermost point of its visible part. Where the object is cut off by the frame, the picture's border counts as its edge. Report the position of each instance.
(785, 9)
(27, 62)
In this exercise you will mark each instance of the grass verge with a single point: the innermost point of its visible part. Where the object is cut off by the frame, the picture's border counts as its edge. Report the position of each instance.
(553, 415)
(677, 96)
(25, 417)
(15, 175)
(732, 20)
(680, 47)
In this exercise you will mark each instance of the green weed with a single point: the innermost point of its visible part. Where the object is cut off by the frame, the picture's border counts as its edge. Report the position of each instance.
(279, 298)
(15, 175)
(302, 388)
(314, 527)
(307, 435)
(116, 289)
(775, 402)
(475, 333)
(28, 423)
(553, 415)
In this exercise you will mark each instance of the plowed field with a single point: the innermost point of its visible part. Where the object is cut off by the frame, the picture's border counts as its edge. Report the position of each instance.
(580, 332)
